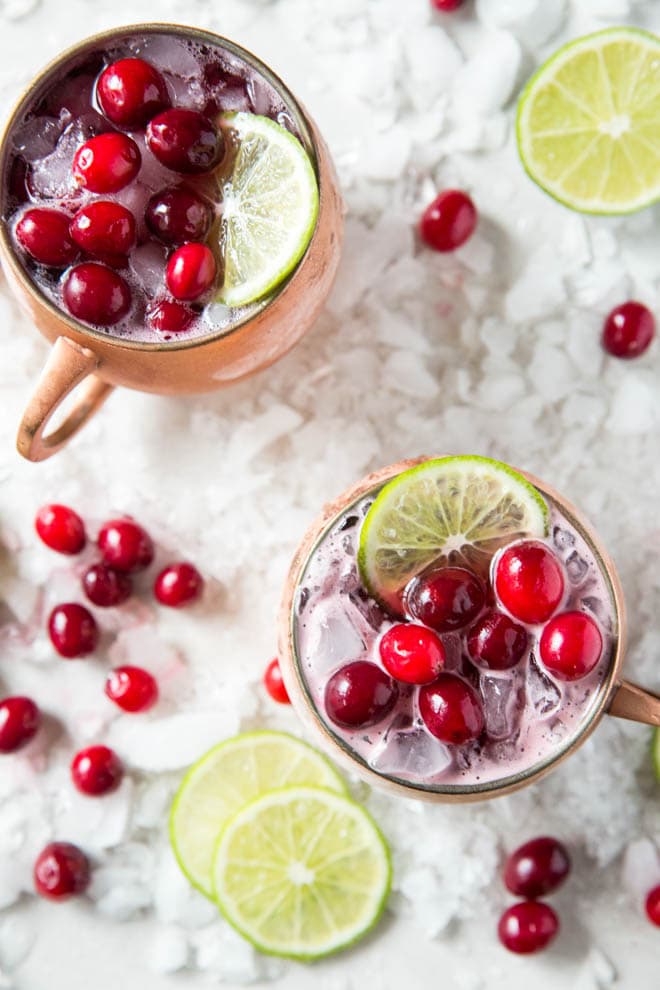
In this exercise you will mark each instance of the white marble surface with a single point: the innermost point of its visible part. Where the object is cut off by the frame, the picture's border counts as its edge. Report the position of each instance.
(495, 351)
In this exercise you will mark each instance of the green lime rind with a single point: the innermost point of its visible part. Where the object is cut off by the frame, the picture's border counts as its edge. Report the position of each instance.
(270, 208)
(655, 753)
(642, 41)
(355, 911)
(230, 775)
(453, 510)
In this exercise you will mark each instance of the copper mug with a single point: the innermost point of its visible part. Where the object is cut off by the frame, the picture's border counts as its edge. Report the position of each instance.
(615, 696)
(96, 361)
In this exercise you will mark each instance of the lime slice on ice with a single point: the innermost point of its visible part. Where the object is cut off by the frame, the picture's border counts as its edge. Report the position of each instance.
(589, 122)
(302, 872)
(227, 778)
(452, 510)
(270, 205)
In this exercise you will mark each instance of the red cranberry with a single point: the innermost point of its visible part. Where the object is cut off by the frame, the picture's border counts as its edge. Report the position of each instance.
(19, 721)
(106, 163)
(44, 234)
(528, 927)
(105, 586)
(178, 584)
(529, 581)
(628, 330)
(571, 645)
(359, 694)
(73, 630)
(61, 871)
(446, 6)
(451, 710)
(125, 545)
(496, 641)
(131, 91)
(446, 599)
(274, 684)
(132, 688)
(169, 317)
(178, 215)
(104, 228)
(537, 868)
(96, 770)
(185, 141)
(95, 294)
(60, 528)
(190, 271)
(448, 221)
(653, 906)
(412, 653)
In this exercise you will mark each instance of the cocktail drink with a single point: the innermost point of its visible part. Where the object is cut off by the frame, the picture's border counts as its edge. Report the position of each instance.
(452, 628)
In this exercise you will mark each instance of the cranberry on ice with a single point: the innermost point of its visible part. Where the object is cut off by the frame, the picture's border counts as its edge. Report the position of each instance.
(178, 584)
(168, 316)
(191, 271)
(451, 710)
(106, 587)
(60, 528)
(529, 581)
(73, 630)
(412, 653)
(537, 868)
(496, 642)
(106, 163)
(628, 330)
(652, 906)
(359, 694)
(95, 294)
(445, 599)
(185, 141)
(131, 91)
(61, 871)
(446, 6)
(19, 721)
(125, 546)
(528, 927)
(96, 770)
(104, 228)
(178, 215)
(571, 645)
(449, 221)
(132, 688)
(44, 235)
(274, 683)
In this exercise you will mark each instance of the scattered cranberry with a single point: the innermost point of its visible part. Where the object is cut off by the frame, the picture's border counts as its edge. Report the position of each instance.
(19, 721)
(528, 927)
(178, 215)
(95, 294)
(359, 694)
(185, 141)
(132, 688)
(451, 710)
(104, 228)
(178, 584)
(73, 630)
(44, 234)
(169, 317)
(446, 6)
(653, 906)
(446, 599)
(571, 645)
(537, 868)
(131, 91)
(125, 545)
(496, 642)
(61, 871)
(96, 770)
(628, 330)
(448, 221)
(412, 653)
(190, 271)
(529, 581)
(274, 683)
(106, 163)
(105, 586)
(60, 528)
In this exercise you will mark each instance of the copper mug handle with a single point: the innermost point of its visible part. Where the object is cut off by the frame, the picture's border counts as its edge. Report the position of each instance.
(69, 365)
(635, 703)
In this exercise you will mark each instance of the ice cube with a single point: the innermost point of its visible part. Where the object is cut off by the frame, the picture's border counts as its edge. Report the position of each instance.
(234, 97)
(414, 753)
(168, 952)
(563, 538)
(577, 567)
(542, 692)
(599, 609)
(368, 609)
(52, 176)
(37, 137)
(335, 639)
(188, 93)
(172, 57)
(501, 708)
(148, 266)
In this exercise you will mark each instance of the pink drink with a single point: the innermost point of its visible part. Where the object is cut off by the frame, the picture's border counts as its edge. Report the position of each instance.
(209, 79)
(530, 716)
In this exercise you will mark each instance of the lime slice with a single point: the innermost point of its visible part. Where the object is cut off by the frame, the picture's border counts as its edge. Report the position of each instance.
(589, 122)
(270, 205)
(227, 778)
(656, 753)
(302, 872)
(452, 510)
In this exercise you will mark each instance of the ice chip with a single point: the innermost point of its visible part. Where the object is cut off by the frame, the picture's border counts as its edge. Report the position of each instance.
(52, 176)
(563, 538)
(414, 753)
(576, 567)
(174, 58)
(599, 610)
(369, 610)
(37, 137)
(542, 692)
(336, 638)
(501, 708)
(148, 266)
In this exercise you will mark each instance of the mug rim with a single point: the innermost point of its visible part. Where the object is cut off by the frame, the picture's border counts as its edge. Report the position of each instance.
(7, 249)
(341, 749)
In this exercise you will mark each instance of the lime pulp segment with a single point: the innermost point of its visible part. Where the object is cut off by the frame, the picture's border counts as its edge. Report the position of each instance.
(302, 872)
